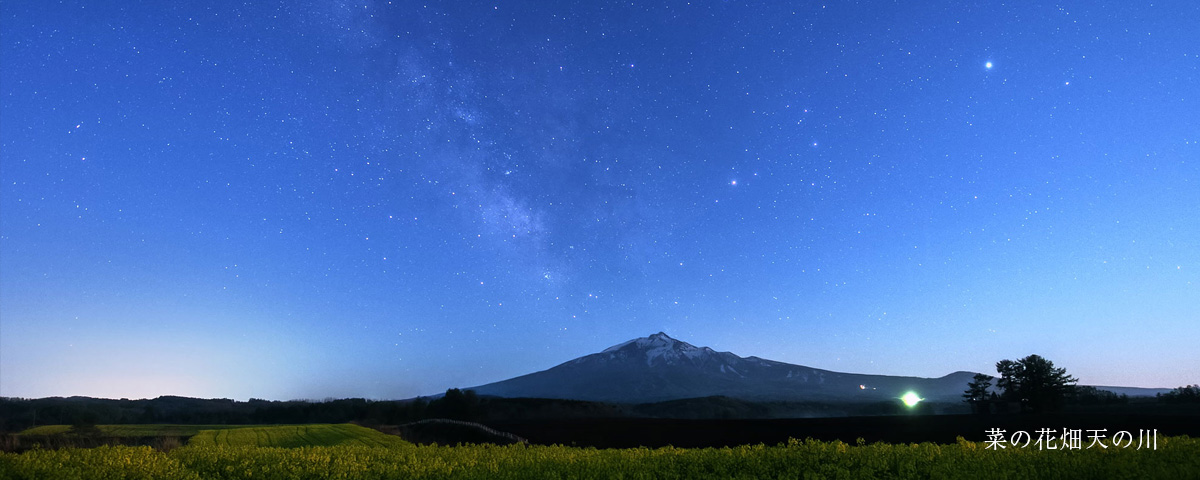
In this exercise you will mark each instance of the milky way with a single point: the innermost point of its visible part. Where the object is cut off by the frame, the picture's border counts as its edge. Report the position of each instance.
(385, 199)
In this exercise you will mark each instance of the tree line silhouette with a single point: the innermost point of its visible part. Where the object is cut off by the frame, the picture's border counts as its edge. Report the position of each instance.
(1035, 385)
(19, 414)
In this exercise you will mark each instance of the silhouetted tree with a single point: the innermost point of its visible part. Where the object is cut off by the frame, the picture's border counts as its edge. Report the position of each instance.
(1088, 395)
(1035, 383)
(1008, 373)
(456, 405)
(416, 410)
(977, 392)
(149, 414)
(1184, 394)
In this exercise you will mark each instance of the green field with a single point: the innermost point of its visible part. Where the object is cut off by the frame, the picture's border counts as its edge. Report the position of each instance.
(150, 430)
(296, 436)
(290, 436)
(1175, 457)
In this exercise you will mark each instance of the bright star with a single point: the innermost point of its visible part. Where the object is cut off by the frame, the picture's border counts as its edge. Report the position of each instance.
(988, 65)
(734, 183)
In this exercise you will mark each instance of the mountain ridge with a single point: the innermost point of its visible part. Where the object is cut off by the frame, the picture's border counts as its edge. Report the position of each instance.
(660, 368)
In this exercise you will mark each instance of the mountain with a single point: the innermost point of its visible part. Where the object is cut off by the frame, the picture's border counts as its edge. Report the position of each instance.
(1134, 391)
(659, 368)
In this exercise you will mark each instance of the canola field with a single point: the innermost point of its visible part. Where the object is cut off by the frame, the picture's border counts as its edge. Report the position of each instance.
(239, 457)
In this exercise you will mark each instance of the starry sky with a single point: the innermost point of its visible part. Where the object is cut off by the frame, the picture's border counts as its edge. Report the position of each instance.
(383, 199)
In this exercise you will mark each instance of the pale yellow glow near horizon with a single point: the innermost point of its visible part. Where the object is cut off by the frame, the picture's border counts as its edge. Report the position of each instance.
(910, 399)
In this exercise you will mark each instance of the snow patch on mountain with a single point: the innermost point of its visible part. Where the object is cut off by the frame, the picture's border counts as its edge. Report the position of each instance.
(662, 349)
(620, 346)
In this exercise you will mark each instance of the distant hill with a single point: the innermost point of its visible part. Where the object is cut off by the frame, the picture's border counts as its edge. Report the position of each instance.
(1134, 391)
(660, 368)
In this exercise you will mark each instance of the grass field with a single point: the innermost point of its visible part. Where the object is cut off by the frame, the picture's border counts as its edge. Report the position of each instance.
(288, 436)
(150, 430)
(292, 436)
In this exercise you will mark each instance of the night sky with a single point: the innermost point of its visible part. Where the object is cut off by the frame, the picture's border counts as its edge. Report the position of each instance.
(310, 199)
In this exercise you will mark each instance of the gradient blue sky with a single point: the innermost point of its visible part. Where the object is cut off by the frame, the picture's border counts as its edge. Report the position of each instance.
(310, 199)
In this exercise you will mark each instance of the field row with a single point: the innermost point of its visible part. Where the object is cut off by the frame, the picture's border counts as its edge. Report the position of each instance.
(293, 436)
(149, 430)
(1176, 457)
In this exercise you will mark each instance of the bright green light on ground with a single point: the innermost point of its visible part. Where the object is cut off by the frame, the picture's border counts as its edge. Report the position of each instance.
(910, 399)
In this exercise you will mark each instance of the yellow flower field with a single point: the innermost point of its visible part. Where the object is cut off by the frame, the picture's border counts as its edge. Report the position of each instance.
(1175, 458)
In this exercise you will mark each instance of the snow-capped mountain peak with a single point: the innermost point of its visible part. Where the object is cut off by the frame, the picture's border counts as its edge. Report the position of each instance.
(659, 339)
(659, 348)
